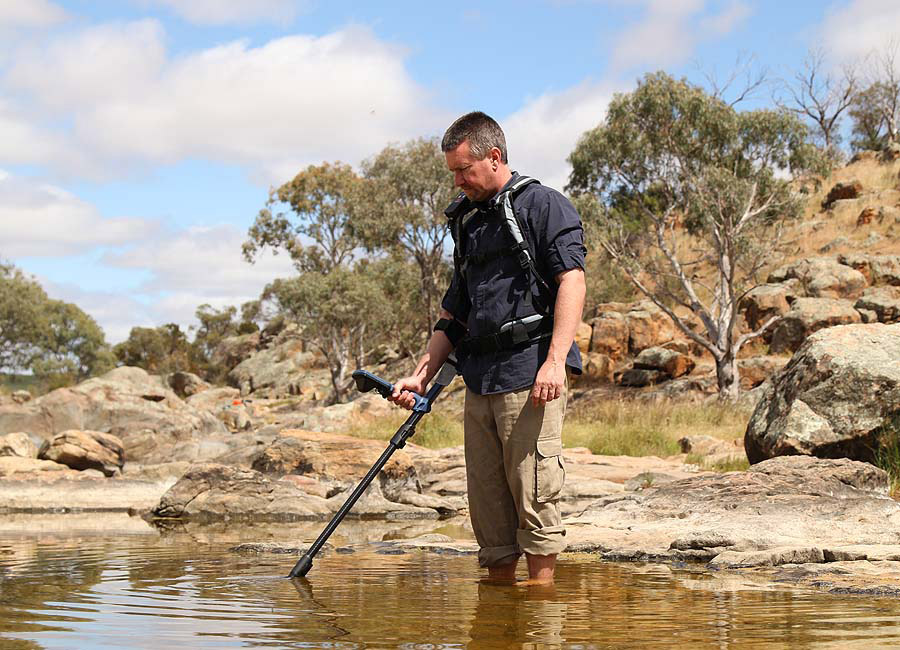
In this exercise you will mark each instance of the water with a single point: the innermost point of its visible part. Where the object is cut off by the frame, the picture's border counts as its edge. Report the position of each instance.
(78, 584)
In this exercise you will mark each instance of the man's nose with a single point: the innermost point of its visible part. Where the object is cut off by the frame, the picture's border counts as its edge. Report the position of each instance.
(458, 179)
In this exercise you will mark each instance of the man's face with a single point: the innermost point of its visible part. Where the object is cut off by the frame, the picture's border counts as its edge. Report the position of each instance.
(476, 178)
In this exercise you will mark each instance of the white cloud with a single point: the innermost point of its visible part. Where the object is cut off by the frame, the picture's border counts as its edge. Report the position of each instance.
(670, 31)
(202, 264)
(43, 220)
(855, 30)
(118, 98)
(221, 12)
(115, 312)
(543, 133)
(30, 13)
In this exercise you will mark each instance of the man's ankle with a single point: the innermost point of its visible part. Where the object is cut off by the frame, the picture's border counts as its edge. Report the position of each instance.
(503, 571)
(541, 568)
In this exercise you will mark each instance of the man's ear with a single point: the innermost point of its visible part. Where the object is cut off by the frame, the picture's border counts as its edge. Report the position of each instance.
(496, 157)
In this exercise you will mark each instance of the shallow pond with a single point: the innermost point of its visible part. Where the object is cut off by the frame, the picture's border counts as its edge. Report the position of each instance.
(93, 582)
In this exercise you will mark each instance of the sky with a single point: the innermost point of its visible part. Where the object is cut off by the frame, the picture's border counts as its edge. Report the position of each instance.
(139, 138)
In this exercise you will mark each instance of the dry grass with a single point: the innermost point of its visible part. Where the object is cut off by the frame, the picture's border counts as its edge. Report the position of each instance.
(634, 428)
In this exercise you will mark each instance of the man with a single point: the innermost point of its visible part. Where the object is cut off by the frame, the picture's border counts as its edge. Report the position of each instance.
(513, 324)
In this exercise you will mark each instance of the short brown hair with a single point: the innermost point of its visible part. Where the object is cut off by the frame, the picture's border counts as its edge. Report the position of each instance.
(480, 130)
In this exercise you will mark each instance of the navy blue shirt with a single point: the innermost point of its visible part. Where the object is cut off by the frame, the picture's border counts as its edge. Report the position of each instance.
(495, 290)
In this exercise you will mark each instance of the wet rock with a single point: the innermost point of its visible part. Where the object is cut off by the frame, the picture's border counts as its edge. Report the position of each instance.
(18, 444)
(209, 492)
(835, 396)
(822, 277)
(84, 450)
(768, 557)
(808, 315)
(794, 501)
(884, 302)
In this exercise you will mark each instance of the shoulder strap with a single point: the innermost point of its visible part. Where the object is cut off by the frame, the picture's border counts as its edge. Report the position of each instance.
(515, 228)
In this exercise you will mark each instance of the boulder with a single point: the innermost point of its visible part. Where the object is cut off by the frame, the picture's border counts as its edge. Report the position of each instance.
(18, 444)
(85, 450)
(755, 370)
(648, 326)
(32, 467)
(672, 363)
(232, 350)
(583, 337)
(336, 460)
(794, 501)
(877, 269)
(210, 492)
(640, 377)
(185, 384)
(20, 396)
(278, 371)
(609, 335)
(835, 397)
(883, 301)
(822, 277)
(126, 402)
(842, 191)
(598, 367)
(867, 216)
(808, 315)
(767, 300)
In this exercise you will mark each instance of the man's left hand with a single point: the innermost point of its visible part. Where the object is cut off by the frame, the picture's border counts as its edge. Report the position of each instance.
(549, 383)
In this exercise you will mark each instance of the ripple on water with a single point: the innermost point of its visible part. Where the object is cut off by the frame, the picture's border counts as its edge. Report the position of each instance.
(170, 592)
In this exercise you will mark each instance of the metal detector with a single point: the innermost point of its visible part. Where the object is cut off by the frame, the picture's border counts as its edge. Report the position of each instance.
(365, 382)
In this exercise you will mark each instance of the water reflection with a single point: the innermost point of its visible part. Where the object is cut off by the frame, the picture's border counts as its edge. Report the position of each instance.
(140, 589)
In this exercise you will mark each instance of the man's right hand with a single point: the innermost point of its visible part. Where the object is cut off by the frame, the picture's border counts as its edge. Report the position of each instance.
(402, 395)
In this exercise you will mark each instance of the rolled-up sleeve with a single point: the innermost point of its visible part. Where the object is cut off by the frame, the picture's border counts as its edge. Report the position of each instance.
(561, 238)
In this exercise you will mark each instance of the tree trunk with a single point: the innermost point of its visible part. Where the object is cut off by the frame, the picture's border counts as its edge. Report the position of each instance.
(727, 377)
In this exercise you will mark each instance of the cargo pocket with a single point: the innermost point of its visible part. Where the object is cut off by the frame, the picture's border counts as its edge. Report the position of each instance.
(550, 470)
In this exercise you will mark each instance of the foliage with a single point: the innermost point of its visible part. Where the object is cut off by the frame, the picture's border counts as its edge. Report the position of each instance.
(338, 311)
(672, 166)
(876, 110)
(158, 350)
(400, 211)
(320, 198)
(54, 340)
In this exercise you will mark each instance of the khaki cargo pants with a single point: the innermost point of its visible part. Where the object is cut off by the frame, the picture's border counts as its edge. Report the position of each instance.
(515, 473)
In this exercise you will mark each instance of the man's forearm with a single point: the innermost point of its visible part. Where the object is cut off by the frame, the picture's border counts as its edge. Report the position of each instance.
(436, 353)
(566, 314)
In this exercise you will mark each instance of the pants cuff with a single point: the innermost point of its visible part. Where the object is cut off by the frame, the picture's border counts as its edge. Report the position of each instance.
(498, 555)
(543, 541)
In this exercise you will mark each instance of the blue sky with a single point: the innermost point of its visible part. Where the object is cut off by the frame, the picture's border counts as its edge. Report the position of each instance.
(139, 138)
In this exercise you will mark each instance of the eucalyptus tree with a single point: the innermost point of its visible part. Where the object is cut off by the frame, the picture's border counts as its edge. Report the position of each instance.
(687, 195)
(333, 298)
(54, 340)
(401, 211)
